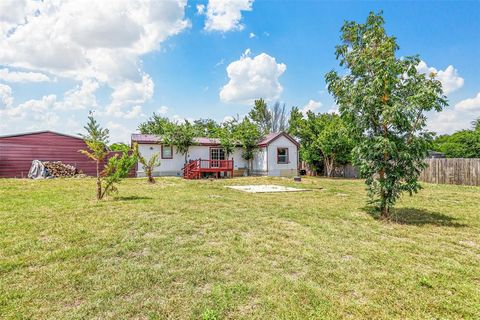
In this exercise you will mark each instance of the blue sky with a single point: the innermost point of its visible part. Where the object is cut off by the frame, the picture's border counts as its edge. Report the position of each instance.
(209, 59)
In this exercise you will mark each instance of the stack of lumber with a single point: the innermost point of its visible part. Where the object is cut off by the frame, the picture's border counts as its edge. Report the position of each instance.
(59, 169)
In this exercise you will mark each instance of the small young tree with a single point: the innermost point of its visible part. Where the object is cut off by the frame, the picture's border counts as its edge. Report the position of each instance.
(149, 165)
(117, 167)
(248, 134)
(96, 140)
(383, 100)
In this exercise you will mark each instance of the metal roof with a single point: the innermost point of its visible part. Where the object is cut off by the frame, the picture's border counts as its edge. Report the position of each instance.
(204, 141)
(39, 132)
(269, 138)
(151, 138)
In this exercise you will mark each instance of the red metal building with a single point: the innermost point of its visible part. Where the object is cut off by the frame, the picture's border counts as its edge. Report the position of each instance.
(17, 152)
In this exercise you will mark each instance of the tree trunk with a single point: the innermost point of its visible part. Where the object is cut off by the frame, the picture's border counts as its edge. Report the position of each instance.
(149, 175)
(383, 198)
(384, 211)
(329, 167)
(99, 182)
(383, 206)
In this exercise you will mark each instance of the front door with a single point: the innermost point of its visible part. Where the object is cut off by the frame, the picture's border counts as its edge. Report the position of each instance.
(216, 154)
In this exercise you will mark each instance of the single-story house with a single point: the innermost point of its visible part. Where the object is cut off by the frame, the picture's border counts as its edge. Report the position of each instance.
(277, 155)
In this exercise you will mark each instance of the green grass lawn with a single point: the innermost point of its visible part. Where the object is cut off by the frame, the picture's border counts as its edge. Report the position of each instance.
(196, 250)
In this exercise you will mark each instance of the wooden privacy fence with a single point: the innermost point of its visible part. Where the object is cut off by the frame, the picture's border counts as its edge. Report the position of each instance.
(452, 171)
(444, 171)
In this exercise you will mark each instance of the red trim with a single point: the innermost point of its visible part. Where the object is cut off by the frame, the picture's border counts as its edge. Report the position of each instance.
(286, 135)
(287, 159)
(171, 153)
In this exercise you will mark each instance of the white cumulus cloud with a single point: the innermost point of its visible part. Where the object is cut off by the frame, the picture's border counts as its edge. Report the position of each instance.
(312, 105)
(471, 104)
(16, 76)
(162, 110)
(253, 78)
(224, 15)
(456, 118)
(76, 38)
(130, 93)
(97, 43)
(81, 97)
(449, 77)
(6, 96)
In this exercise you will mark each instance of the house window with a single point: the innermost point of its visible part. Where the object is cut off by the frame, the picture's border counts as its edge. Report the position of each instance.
(282, 155)
(167, 152)
(216, 154)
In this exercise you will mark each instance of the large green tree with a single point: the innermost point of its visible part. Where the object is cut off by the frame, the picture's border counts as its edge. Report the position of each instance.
(461, 144)
(325, 140)
(180, 135)
(334, 141)
(269, 120)
(206, 128)
(156, 124)
(383, 100)
(249, 135)
(261, 116)
(227, 136)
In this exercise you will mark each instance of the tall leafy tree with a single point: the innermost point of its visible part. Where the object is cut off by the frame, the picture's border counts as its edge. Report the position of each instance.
(156, 124)
(248, 134)
(205, 128)
(227, 136)
(383, 99)
(279, 117)
(261, 116)
(180, 135)
(334, 141)
(325, 140)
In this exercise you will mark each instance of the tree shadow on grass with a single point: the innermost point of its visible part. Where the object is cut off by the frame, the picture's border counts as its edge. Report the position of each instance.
(131, 198)
(417, 217)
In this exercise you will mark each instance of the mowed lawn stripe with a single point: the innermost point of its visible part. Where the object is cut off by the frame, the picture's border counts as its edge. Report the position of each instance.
(190, 249)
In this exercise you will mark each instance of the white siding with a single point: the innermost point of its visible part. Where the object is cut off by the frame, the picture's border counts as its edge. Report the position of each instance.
(168, 167)
(260, 161)
(264, 162)
(284, 170)
(238, 161)
(173, 167)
